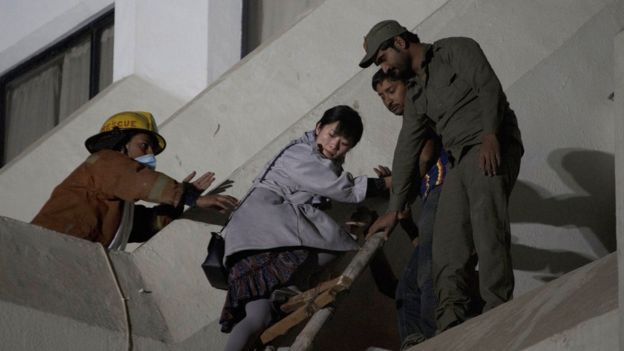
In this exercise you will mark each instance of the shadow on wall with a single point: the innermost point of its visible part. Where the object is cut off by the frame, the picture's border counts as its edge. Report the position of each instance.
(590, 208)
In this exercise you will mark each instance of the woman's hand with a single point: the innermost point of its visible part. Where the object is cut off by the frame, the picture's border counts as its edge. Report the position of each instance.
(386, 174)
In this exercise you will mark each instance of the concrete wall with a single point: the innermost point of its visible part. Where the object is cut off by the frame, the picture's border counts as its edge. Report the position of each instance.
(31, 25)
(618, 57)
(60, 292)
(558, 73)
(181, 46)
(57, 292)
(29, 179)
(574, 313)
(563, 207)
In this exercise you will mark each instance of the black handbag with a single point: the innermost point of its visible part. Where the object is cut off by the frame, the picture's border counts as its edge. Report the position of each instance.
(213, 264)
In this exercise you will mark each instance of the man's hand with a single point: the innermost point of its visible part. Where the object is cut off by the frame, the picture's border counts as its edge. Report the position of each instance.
(489, 155)
(385, 223)
(222, 203)
(202, 183)
(386, 174)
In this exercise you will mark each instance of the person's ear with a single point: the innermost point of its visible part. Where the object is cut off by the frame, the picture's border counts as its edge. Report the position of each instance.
(317, 130)
(399, 42)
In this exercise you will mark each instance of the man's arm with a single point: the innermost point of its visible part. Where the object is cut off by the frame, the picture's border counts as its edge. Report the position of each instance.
(405, 164)
(404, 167)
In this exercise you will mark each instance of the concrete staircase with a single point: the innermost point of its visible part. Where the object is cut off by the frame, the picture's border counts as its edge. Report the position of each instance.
(63, 293)
(578, 311)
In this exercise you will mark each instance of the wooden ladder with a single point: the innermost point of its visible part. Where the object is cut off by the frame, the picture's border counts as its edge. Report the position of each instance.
(316, 302)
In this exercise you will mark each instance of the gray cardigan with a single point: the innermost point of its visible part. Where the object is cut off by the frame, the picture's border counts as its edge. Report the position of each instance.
(278, 210)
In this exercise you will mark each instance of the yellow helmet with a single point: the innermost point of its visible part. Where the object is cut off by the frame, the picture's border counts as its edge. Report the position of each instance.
(118, 127)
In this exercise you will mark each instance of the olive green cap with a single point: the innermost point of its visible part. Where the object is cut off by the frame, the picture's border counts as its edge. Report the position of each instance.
(380, 32)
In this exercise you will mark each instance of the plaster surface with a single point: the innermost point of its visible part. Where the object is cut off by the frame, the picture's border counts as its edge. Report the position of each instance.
(53, 287)
(618, 56)
(599, 334)
(554, 80)
(29, 179)
(570, 313)
(179, 47)
(169, 296)
(163, 286)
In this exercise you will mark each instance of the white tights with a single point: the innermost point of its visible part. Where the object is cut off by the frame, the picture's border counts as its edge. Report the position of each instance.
(259, 312)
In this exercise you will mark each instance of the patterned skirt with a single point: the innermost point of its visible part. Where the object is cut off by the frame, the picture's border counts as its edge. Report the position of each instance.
(256, 276)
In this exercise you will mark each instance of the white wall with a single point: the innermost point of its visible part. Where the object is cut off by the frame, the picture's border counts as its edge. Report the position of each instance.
(180, 46)
(31, 25)
(618, 129)
(556, 66)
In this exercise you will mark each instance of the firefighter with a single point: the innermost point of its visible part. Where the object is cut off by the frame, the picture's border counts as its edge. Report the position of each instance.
(96, 201)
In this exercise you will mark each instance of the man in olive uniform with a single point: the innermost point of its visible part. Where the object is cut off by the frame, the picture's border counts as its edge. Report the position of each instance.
(453, 89)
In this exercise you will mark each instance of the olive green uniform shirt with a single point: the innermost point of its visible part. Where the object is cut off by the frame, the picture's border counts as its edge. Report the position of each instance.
(461, 99)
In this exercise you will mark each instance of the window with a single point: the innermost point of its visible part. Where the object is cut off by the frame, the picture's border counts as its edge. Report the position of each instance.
(38, 94)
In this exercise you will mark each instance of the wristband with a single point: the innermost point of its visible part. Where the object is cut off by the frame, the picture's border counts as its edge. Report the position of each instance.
(190, 195)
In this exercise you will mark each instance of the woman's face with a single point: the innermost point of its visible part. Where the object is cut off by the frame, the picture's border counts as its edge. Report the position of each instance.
(140, 144)
(331, 144)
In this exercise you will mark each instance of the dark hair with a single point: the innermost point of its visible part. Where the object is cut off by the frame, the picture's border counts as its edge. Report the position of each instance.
(409, 37)
(126, 135)
(380, 76)
(350, 123)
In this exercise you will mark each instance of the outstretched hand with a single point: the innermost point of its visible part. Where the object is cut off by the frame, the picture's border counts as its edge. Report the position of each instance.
(385, 223)
(202, 183)
(489, 155)
(222, 203)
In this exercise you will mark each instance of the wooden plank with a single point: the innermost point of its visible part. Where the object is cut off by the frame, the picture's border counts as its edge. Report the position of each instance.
(303, 342)
(300, 299)
(298, 316)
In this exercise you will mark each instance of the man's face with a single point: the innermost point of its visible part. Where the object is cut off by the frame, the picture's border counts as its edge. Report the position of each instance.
(140, 144)
(392, 94)
(395, 60)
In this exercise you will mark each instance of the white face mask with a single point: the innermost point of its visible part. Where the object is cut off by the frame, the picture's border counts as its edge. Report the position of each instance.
(148, 161)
